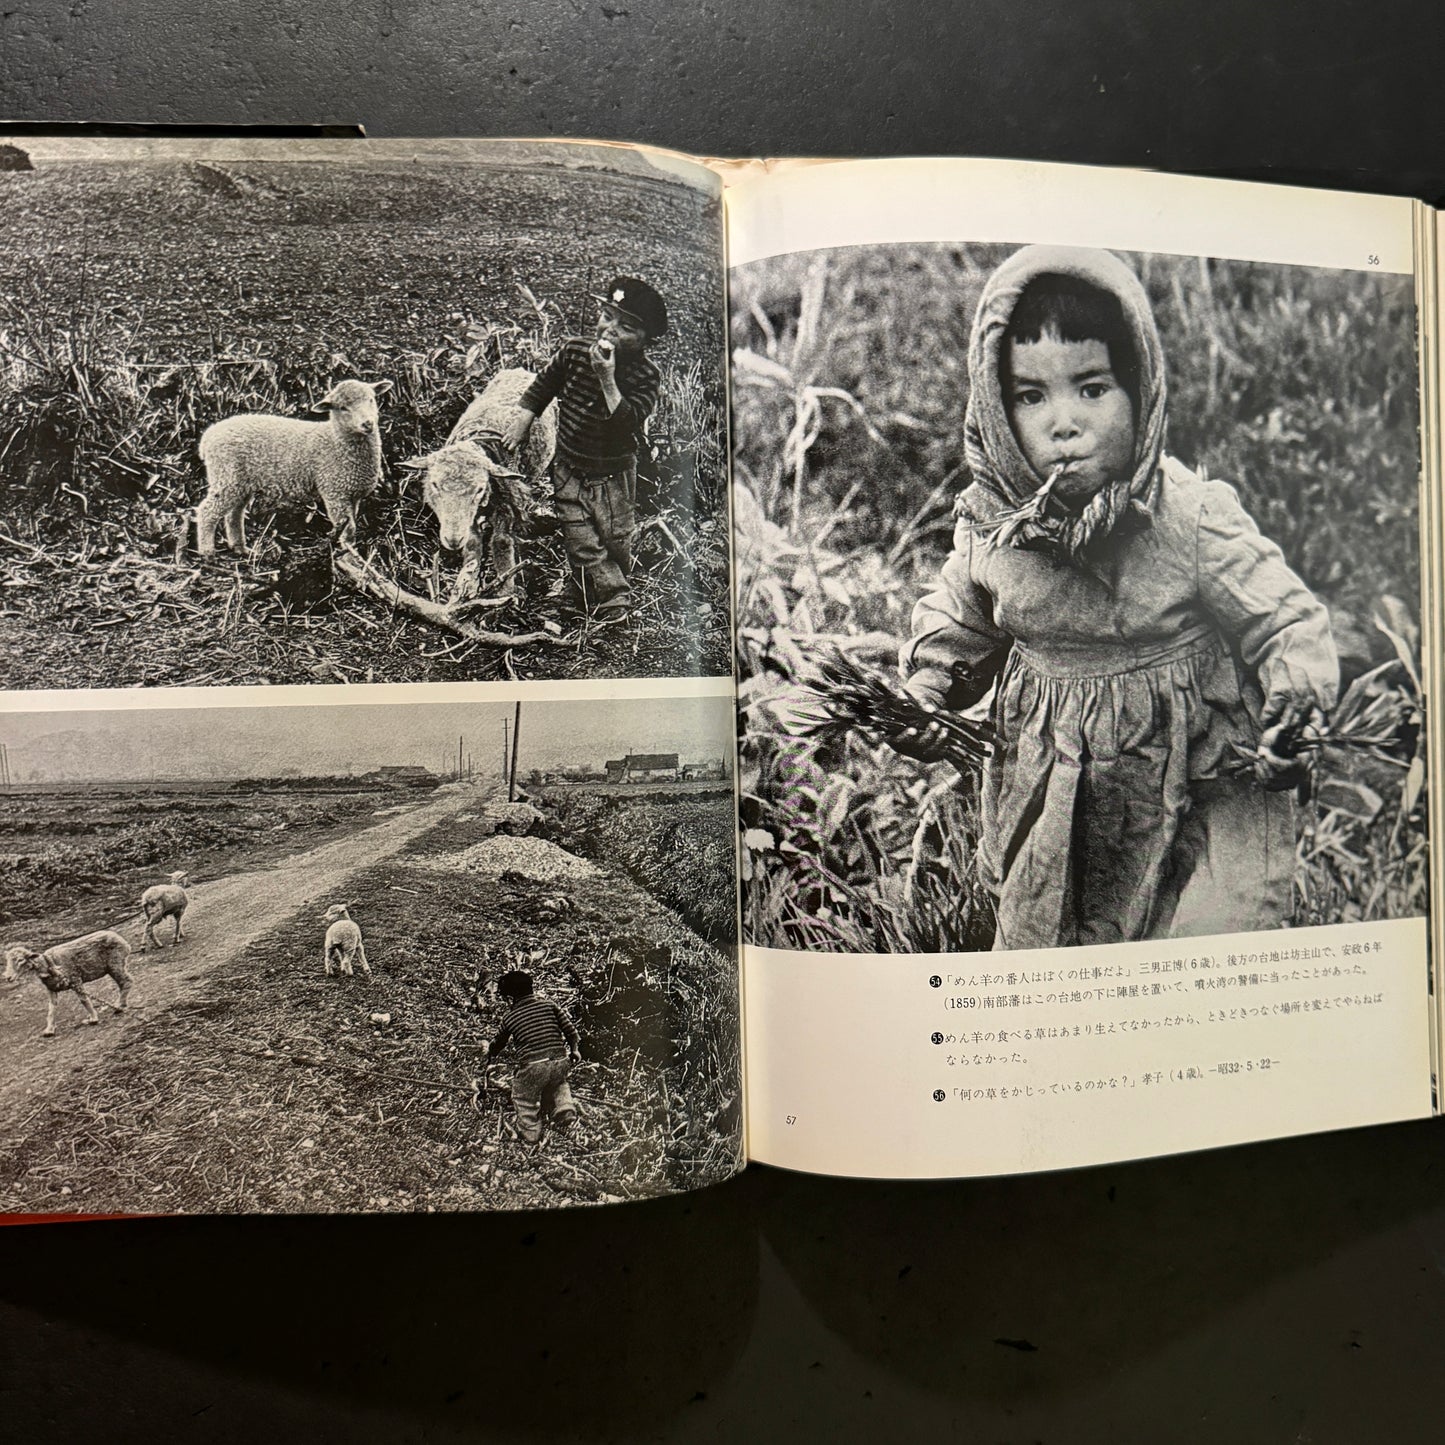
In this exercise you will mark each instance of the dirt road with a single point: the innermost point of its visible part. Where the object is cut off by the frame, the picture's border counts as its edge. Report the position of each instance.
(225, 915)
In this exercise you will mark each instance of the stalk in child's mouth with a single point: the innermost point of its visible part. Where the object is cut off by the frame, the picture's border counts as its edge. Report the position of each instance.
(1058, 470)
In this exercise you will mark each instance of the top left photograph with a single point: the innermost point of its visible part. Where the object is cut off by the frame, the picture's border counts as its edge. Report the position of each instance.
(359, 411)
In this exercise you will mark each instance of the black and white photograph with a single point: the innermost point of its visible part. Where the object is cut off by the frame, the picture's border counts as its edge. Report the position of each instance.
(1078, 597)
(358, 411)
(372, 956)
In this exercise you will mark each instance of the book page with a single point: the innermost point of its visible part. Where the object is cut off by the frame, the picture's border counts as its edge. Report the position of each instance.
(366, 745)
(1120, 473)
(1430, 232)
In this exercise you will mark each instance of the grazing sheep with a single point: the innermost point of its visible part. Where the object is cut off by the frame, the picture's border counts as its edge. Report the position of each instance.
(71, 966)
(343, 942)
(280, 459)
(468, 488)
(164, 900)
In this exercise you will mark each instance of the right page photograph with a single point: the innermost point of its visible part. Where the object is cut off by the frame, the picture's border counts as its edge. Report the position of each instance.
(1083, 630)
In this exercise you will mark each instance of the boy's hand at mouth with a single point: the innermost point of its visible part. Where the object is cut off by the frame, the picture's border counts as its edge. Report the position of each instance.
(604, 359)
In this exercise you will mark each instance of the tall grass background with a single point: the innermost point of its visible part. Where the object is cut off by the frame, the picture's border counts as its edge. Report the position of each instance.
(1297, 385)
(92, 412)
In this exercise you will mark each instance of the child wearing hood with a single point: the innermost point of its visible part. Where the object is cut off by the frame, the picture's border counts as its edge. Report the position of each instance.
(1137, 628)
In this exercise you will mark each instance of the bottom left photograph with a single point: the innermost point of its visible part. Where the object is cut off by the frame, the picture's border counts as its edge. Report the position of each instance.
(366, 956)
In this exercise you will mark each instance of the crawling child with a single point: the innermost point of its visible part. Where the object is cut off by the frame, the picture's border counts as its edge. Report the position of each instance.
(547, 1048)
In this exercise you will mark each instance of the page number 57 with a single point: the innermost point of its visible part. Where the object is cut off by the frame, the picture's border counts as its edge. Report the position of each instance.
(791, 1118)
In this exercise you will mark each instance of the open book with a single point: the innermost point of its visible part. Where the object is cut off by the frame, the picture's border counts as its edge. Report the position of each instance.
(537, 673)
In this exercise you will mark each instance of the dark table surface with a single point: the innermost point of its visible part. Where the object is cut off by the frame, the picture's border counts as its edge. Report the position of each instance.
(1291, 1291)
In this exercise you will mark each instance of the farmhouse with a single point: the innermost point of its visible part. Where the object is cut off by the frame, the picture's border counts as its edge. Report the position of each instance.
(643, 768)
(406, 775)
(709, 770)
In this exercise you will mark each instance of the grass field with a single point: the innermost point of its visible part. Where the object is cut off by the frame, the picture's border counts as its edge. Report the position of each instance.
(676, 841)
(82, 855)
(1297, 386)
(139, 303)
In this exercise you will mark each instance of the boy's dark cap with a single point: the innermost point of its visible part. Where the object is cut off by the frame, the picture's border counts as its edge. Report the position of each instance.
(639, 301)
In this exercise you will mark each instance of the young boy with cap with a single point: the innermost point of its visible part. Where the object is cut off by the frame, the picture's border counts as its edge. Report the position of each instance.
(605, 390)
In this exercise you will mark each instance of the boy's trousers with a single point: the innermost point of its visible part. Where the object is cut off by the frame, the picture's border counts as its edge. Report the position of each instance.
(597, 511)
(539, 1088)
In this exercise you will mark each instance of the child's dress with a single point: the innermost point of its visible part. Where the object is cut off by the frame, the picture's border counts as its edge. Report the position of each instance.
(1105, 815)
(1127, 664)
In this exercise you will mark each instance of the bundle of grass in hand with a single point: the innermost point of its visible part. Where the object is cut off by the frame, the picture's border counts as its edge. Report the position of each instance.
(1374, 718)
(850, 697)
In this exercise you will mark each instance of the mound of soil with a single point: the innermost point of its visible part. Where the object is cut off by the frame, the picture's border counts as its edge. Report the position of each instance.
(531, 858)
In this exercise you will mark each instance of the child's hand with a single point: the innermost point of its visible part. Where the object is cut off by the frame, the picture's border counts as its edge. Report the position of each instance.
(516, 429)
(603, 356)
(1276, 771)
(1279, 764)
(929, 743)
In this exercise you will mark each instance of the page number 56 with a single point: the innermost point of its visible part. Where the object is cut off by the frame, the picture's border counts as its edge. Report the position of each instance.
(1373, 259)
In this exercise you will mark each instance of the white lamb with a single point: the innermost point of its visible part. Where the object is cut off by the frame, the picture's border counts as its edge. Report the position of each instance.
(71, 966)
(164, 900)
(280, 459)
(343, 942)
(469, 484)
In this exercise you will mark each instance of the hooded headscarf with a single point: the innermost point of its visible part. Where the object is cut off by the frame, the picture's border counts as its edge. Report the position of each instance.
(1004, 503)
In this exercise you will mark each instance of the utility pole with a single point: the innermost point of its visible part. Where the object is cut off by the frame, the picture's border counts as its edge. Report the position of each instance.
(506, 751)
(516, 735)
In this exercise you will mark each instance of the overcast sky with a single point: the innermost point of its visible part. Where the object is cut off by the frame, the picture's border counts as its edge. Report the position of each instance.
(232, 742)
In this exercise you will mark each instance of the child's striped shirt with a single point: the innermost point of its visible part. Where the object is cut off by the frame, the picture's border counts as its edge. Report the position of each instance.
(588, 435)
(539, 1028)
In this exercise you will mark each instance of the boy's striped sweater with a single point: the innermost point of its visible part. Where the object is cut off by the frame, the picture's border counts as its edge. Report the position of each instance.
(588, 435)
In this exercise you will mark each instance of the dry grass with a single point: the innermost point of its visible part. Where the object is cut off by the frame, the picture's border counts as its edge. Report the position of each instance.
(676, 841)
(76, 851)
